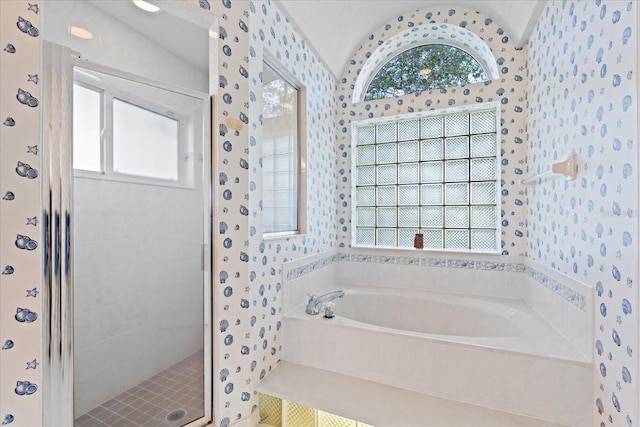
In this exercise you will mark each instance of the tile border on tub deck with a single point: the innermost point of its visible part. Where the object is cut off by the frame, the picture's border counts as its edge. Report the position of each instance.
(571, 295)
(310, 267)
(436, 262)
(567, 293)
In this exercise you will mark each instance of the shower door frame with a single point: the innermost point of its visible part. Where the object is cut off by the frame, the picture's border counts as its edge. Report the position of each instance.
(57, 202)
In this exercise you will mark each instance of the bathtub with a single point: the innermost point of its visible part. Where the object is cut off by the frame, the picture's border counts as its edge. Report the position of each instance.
(497, 323)
(433, 314)
(492, 352)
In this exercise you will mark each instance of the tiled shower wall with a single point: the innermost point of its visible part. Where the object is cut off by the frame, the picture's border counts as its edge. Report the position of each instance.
(20, 214)
(582, 98)
(137, 284)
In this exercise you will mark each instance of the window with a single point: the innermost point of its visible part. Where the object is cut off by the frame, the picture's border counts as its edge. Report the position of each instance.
(87, 128)
(145, 143)
(122, 130)
(433, 174)
(281, 153)
(422, 68)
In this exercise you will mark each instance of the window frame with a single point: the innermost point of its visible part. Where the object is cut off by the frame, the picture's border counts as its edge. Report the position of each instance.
(301, 151)
(402, 51)
(355, 125)
(109, 91)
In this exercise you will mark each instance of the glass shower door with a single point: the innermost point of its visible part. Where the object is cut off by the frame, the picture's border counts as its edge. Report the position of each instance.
(139, 232)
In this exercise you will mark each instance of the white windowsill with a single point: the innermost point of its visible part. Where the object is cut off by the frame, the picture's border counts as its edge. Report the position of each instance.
(281, 235)
(131, 179)
(427, 251)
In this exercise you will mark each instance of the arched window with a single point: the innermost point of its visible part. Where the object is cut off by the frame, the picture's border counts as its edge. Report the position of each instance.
(423, 68)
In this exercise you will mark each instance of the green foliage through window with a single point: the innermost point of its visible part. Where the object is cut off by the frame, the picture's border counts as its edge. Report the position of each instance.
(423, 68)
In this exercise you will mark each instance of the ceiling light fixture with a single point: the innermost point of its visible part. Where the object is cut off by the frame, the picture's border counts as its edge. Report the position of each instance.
(147, 7)
(80, 32)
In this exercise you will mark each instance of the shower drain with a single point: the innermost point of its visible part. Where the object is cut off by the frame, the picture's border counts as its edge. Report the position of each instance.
(176, 415)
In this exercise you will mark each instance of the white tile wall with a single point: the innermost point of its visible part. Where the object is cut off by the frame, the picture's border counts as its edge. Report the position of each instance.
(138, 284)
(575, 324)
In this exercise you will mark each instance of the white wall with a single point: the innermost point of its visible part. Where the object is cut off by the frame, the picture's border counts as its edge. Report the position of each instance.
(249, 299)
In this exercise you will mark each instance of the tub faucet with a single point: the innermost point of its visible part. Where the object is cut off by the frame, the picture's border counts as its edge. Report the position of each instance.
(313, 306)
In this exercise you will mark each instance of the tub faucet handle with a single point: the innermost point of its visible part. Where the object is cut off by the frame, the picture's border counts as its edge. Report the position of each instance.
(328, 310)
(316, 302)
(312, 296)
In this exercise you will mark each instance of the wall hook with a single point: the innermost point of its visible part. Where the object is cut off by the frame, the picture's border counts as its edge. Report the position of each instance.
(568, 168)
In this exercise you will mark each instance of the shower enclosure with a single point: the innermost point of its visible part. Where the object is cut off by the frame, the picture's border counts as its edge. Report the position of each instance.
(129, 158)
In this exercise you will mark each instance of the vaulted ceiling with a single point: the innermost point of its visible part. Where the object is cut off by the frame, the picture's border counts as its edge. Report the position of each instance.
(336, 28)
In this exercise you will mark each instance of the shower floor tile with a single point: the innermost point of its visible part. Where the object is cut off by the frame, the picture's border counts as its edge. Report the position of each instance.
(179, 387)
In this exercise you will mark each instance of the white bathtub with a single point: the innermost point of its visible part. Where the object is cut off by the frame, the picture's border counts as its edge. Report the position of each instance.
(433, 314)
(494, 323)
(487, 351)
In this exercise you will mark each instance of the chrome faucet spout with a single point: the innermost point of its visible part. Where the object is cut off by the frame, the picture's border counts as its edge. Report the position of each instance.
(315, 302)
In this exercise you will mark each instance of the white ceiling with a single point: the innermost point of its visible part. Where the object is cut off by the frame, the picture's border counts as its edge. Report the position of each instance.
(336, 28)
(182, 32)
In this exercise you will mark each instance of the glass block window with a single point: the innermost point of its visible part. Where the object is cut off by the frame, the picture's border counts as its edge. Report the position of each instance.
(433, 174)
(280, 153)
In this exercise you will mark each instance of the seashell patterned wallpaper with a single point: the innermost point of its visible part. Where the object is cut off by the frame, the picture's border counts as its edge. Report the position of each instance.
(583, 99)
(20, 228)
(247, 286)
(249, 269)
(598, 210)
